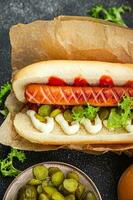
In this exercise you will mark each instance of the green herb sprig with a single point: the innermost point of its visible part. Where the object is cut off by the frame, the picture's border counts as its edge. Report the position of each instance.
(91, 112)
(119, 118)
(112, 14)
(6, 165)
(88, 111)
(4, 90)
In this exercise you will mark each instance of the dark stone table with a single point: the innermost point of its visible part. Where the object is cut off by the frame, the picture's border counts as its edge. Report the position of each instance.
(104, 170)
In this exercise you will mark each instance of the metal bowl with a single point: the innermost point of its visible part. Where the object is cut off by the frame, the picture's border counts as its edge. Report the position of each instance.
(26, 175)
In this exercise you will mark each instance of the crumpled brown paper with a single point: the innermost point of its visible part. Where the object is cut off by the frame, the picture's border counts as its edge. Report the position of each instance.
(78, 38)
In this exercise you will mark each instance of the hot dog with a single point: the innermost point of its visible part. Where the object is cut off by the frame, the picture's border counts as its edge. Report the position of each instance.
(75, 102)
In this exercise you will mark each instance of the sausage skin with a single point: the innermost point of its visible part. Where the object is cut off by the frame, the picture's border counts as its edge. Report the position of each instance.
(70, 95)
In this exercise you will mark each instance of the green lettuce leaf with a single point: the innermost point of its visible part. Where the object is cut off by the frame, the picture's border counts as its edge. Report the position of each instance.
(119, 117)
(90, 112)
(6, 165)
(77, 113)
(4, 90)
(112, 14)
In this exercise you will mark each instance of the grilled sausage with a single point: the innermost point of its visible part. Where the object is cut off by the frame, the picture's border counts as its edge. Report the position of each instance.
(70, 95)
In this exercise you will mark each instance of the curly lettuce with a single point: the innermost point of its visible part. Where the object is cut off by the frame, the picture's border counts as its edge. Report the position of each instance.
(4, 90)
(6, 165)
(90, 112)
(119, 117)
(112, 14)
(79, 112)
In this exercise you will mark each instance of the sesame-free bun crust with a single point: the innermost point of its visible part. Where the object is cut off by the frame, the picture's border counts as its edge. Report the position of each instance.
(68, 70)
(24, 128)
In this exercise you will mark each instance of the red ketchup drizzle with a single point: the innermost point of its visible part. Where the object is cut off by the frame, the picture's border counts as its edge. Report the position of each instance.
(80, 82)
(55, 81)
(129, 84)
(106, 81)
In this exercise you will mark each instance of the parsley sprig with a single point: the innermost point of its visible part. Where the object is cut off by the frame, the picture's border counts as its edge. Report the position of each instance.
(112, 14)
(119, 117)
(4, 90)
(79, 112)
(6, 165)
(91, 112)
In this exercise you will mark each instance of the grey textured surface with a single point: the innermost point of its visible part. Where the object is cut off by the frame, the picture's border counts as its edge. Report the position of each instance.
(106, 169)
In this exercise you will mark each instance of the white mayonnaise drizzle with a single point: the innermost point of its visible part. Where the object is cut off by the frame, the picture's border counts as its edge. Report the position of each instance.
(68, 129)
(92, 128)
(42, 127)
(129, 126)
(105, 123)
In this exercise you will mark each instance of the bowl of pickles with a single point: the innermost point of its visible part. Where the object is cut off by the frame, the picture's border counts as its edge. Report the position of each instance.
(52, 181)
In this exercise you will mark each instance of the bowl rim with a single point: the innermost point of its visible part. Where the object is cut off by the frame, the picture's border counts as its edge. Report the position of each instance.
(59, 163)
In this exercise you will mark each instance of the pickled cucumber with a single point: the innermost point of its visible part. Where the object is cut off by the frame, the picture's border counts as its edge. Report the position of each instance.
(70, 185)
(77, 109)
(70, 197)
(45, 110)
(39, 189)
(27, 192)
(104, 113)
(90, 196)
(40, 118)
(55, 112)
(57, 196)
(34, 182)
(50, 183)
(40, 172)
(80, 191)
(44, 183)
(49, 190)
(73, 175)
(63, 190)
(52, 170)
(57, 178)
(68, 116)
(43, 197)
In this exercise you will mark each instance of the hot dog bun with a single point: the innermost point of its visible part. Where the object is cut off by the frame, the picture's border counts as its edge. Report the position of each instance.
(25, 129)
(68, 71)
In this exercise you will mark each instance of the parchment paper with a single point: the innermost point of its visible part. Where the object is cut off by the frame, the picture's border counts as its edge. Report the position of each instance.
(78, 38)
